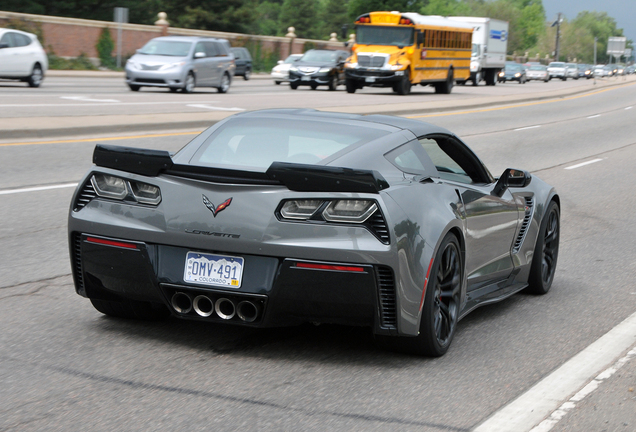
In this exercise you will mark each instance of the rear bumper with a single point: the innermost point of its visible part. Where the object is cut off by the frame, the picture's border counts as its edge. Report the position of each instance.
(280, 291)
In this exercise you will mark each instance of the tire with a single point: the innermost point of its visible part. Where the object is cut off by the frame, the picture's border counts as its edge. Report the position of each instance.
(447, 86)
(476, 79)
(134, 87)
(351, 86)
(403, 87)
(564, 79)
(546, 252)
(173, 89)
(491, 77)
(293, 86)
(190, 83)
(277, 82)
(440, 311)
(225, 84)
(333, 83)
(247, 75)
(36, 77)
(314, 86)
(131, 309)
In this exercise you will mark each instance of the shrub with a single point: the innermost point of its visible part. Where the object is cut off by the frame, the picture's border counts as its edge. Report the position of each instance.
(105, 46)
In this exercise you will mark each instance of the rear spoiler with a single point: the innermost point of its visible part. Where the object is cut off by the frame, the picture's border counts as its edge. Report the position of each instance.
(296, 177)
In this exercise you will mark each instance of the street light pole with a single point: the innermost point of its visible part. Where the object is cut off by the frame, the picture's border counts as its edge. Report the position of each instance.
(558, 35)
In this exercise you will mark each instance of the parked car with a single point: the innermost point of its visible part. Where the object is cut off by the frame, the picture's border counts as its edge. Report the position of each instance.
(629, 70)
(318, 67)
(513, 72)
(22, 57)
(603, 71)
(538, 72)
(243, 61)
(558, 70)
(289, 216)
(280, 72)
(585, 71)
(182, 63)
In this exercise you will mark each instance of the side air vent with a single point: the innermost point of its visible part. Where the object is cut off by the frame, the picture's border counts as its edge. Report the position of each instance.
(386, 290)
(76, 256)
(524, 225)
(85, 196)
(377, 224)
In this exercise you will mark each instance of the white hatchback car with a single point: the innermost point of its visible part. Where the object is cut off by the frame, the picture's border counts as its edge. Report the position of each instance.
(280, 73)
(22, 57)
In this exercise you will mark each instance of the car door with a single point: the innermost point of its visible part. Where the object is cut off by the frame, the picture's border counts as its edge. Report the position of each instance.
(202, 68)
(12, 60)
(490, 220)
(215, 62)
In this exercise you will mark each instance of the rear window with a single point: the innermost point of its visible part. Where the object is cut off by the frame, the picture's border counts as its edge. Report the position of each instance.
(253, 144)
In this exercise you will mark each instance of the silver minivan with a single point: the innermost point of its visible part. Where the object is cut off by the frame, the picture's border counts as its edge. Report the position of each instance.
(182, 63)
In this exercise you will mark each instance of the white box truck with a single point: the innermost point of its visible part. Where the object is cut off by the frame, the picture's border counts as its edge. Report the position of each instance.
(490, 44)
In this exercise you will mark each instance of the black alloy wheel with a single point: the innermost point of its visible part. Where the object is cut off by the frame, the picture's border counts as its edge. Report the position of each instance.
(546, 252)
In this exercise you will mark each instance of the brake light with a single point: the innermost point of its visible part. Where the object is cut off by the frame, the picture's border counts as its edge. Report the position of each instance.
(111, 243)
(330, 267)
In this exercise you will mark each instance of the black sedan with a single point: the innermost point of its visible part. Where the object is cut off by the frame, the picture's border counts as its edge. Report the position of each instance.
(291, 216)
(513, 72)
(318, 67)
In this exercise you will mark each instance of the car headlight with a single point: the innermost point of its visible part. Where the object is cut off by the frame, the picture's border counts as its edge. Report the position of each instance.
(501, 74)
(300, 209)
(171, 65)
(396, 67)
(108, 186)
(351, 65)
(517, 75)
(132, 64)
(349, 211)
(293, 69)
(324, 70)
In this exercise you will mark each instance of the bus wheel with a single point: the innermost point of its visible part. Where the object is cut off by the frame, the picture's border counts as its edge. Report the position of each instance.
(446, 86)
(403, 87)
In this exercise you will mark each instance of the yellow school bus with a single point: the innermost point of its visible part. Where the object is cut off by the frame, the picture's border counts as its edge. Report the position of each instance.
(398, 50)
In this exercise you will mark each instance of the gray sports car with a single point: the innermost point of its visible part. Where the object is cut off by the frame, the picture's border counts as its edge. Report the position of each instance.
(281, 217)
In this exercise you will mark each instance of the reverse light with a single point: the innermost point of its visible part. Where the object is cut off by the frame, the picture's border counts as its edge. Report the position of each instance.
(349, 211)
(145, 193)
(300, 209)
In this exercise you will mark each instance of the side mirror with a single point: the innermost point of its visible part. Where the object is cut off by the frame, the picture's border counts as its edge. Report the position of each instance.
(199, 54)
(511, 178)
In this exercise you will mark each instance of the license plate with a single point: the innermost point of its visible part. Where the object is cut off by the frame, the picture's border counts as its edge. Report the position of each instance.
(370, 79)
(217, 270)
(306, 78)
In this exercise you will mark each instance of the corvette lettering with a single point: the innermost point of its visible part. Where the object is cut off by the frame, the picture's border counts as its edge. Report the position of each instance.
(212, 233)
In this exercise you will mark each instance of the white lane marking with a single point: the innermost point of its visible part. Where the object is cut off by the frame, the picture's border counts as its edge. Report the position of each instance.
(594, 116)
(214, 108)
(87, 99)
(528, 127)
(547, 424)
(583, 164)
(629, 108)
(36, 189)
(532, 407)
(96, 104)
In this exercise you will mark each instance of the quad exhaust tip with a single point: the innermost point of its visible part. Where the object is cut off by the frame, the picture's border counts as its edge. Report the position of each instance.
(181, 302)
(225, 308)
(203, 306)
(247, 311)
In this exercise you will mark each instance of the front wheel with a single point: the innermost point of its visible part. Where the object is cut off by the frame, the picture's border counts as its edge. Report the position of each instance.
(134, 87)
(546, 252)
(333, 83)
(247, 75)
(35, 79)
(190, 83)
(225, 84)
(403, 87)
(351, 86)
(293, 86)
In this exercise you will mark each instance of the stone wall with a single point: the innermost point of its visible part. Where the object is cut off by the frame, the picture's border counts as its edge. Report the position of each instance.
(70, 37)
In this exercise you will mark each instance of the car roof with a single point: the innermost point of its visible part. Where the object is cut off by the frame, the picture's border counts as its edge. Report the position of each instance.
(188, 38)
(418, 128)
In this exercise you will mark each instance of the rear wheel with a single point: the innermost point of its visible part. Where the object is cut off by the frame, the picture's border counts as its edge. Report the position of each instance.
(333, 83)
(314, 86)
(491, 77)
(447, 86)
(277, 82)
(247, 75)
(351, 86)
(440, 311)
(36, 76)
(546, 252)
(131, 309)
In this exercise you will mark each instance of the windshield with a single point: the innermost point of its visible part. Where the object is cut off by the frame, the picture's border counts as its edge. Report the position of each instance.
(513, 68)
(292, 58)
(537, 67)
(556, 64)
(166, 48)
(253, 144)
(475, 52)
(384, 35)
(320, 56)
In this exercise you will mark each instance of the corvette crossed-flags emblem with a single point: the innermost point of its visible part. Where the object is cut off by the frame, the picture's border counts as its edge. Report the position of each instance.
(215, 209)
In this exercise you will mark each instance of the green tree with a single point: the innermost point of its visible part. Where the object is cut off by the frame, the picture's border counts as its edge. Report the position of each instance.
(300, 14)
(105, 46)
(359, 7)
(333, 15)
(448, 8)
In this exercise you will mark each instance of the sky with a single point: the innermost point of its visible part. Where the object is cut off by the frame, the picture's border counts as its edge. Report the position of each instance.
(623, 11)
